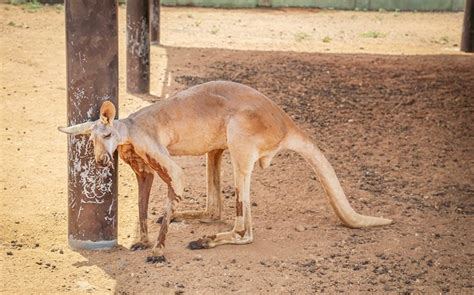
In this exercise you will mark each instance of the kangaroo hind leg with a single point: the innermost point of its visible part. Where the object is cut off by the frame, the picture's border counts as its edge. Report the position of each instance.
(243, 155)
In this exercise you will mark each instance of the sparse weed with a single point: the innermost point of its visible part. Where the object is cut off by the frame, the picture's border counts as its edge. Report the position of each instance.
(327, 39)
(302, 36)
(17, 2)
(15, 25)
(444, 39)
(441, 40)
(27, 5)
(33, 6)
(373, 34)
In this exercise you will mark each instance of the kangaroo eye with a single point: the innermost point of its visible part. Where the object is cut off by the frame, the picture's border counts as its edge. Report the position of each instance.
(107, 135)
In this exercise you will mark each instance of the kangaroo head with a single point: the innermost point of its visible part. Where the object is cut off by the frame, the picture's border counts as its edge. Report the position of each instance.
(104, 136)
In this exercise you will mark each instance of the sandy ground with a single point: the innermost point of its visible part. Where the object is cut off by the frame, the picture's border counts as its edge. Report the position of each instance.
(398, 130)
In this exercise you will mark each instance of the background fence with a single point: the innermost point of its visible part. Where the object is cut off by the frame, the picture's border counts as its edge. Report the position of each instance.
(410, 5)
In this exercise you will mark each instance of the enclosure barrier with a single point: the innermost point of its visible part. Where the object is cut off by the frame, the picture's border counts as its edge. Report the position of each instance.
(138, 47)
(154, 22)
(409, 5)
(92, 77)
(467, 39)
(405, 5)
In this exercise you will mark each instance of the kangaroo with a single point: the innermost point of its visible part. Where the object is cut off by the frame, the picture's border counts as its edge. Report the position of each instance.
(208, 119)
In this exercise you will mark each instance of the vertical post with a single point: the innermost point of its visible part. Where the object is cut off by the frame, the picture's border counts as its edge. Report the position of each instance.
(155, 22)
(138, 47)
(467, 39)
(92, 77)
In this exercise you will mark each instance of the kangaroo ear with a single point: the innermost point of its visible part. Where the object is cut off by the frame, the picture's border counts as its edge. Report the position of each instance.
(84, 128)
(107, 112)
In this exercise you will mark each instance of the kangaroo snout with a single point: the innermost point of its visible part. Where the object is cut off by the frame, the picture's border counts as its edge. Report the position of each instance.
(103, 160)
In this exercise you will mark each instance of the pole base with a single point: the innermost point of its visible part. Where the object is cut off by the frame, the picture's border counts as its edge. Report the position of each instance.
(91, 245)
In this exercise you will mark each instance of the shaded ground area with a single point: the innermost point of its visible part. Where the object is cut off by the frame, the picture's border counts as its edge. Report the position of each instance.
(398, 130)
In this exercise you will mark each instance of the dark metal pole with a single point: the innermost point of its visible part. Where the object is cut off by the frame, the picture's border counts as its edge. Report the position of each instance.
(155, 22)
(467, 39)
(138, 47)
(92, 77)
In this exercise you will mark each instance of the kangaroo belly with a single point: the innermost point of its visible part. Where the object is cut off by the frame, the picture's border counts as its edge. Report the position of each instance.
(197, 139)
(196, 147)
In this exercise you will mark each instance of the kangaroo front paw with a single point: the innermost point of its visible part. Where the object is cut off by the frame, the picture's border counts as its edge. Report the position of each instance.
(156, 259)
(140, 246)
(202, 243)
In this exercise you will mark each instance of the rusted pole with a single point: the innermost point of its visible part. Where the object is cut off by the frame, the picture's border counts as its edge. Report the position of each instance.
(155, 22)
(138, 47)
(92, 77)
(467, 39)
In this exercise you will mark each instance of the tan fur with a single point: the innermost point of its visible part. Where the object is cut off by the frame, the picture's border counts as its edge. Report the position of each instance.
(208, 119)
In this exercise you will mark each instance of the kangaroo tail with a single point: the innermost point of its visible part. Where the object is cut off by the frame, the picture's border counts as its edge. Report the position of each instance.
(301, 143)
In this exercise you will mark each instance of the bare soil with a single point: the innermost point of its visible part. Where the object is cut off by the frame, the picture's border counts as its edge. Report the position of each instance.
(398, 129)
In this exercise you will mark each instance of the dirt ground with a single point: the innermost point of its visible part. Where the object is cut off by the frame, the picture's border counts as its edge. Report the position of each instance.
(397, 127)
